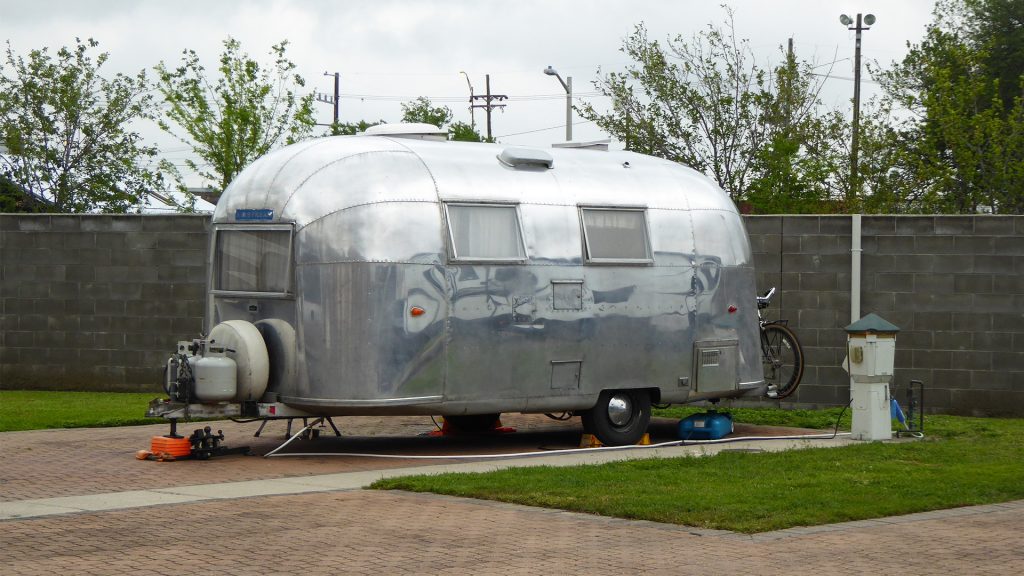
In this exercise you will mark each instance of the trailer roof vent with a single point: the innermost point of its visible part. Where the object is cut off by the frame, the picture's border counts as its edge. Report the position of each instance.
(526, 157)
(416, 131)
(598, 145)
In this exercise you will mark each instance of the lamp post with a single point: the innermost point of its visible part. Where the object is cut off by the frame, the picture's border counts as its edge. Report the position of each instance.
(854, 146)
(472, 115)
(567, 84)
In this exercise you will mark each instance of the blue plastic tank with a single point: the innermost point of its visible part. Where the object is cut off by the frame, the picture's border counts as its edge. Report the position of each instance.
(709, 425)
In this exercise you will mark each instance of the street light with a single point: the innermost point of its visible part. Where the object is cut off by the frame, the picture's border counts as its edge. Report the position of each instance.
(567, 84)
(472, 116)
(846, 21)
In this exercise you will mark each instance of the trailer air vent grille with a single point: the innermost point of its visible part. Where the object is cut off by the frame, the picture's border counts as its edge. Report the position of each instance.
(710, 357)
(526, 158)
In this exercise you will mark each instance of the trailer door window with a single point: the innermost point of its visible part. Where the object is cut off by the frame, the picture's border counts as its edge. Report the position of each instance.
(252, 260)
(615, 235)
(485, 232)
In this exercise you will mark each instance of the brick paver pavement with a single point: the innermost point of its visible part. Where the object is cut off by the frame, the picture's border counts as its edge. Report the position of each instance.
(368, 532)
(54, 463)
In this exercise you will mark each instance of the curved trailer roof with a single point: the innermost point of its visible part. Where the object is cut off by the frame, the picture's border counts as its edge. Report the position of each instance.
(308, 181)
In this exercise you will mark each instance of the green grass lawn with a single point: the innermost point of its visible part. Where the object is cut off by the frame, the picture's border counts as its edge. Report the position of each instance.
(962, 461)
(36, 410)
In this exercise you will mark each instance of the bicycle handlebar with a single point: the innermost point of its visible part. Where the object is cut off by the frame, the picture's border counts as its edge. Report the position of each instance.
(763, 301)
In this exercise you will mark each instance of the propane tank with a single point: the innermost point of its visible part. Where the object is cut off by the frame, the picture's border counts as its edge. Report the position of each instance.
(215, 376)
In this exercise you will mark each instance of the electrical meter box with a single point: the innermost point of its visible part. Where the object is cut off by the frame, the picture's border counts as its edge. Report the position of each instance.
(871, 356)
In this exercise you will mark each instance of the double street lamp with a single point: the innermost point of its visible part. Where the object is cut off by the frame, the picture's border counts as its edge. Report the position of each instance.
(854, 146)
(567, 84)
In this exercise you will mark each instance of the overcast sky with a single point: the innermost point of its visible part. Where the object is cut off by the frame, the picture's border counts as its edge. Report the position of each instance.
(391, 51)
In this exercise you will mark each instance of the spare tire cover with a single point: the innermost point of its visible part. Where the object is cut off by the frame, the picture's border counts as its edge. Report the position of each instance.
(246, 347)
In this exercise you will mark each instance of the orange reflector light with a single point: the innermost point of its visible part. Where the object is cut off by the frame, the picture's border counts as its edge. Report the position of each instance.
(417, 311)
(732, 309)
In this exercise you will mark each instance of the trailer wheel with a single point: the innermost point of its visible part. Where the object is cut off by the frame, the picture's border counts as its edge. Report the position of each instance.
(620, 417)
(472, 423)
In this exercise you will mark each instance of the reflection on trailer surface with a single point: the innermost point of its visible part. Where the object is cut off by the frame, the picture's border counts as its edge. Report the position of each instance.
(389, 275)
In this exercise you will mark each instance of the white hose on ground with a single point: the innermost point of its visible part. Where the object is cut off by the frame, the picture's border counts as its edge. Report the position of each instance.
(273, 453)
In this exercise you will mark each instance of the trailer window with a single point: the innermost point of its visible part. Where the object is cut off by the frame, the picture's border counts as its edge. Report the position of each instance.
(615, 235)
(252, 260)
(485, 232)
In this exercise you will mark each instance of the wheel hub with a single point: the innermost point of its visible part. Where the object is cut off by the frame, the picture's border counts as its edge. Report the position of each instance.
(620, 409)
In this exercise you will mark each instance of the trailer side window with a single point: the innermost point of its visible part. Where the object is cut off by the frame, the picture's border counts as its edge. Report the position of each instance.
(252, 260)
(485, 232)
(615, 235)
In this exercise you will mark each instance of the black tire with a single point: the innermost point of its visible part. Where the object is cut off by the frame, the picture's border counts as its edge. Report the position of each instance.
(620, 417)
(783, 359)
(472, 423)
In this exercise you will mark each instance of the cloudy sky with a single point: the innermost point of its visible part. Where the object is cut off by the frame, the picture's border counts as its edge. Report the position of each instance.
(391, 51)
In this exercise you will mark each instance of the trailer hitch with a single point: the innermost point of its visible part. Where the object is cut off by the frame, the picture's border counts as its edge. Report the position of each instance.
(206, 444)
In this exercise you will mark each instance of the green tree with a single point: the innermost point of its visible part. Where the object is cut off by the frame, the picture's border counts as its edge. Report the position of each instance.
(350, 128)
(997, 26)
(15, 200)
(705, 103)
(422, 110)
(241, 115)
(959, 149)
(67, 130)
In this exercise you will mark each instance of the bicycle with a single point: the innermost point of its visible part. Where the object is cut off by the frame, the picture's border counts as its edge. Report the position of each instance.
(781, 353)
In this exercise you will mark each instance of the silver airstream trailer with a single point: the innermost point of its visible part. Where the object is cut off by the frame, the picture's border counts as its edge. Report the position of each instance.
(395, 275)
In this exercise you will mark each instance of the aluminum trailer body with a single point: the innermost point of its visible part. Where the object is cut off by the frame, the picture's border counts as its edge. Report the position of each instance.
(390, 275)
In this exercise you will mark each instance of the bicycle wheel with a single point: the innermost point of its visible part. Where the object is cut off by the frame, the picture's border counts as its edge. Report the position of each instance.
(783, 359)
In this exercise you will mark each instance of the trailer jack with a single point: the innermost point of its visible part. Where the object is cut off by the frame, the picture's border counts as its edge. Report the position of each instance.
(203, 444)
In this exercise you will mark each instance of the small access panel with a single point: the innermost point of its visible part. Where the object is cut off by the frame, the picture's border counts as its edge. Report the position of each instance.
(716, 365)
(565, 374)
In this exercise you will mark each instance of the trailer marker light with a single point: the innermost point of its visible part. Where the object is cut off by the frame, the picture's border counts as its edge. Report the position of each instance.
(732, 308)
(417, 311)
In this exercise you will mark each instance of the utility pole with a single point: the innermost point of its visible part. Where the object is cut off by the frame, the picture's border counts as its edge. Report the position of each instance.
(790, 69)
(337, 95)
(489, 104)
(855, 144)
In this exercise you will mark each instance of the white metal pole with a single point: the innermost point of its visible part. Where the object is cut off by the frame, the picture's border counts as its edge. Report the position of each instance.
(568, 108)
(855, 252)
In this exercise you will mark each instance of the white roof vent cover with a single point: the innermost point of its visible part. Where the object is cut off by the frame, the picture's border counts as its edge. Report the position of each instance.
(526, 157)
(419, 131)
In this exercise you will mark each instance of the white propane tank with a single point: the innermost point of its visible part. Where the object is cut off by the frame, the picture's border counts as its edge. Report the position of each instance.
(215, 377)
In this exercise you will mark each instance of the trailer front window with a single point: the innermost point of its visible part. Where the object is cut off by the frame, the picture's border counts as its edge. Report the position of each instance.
(615, 235)
(252, 260)
(485, 232)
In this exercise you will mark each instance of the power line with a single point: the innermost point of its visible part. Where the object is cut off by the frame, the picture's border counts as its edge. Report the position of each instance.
(457, 99)
(560, 126)
(834, 77)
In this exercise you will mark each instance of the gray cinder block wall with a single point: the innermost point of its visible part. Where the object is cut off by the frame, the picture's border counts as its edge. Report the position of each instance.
(96, 302)
(953, 284)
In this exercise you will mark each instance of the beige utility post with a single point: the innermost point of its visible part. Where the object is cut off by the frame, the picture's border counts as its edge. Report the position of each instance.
(871, 349)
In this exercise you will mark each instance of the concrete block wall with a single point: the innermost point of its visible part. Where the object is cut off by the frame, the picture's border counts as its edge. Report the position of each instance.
(953, 284)
(97, 302)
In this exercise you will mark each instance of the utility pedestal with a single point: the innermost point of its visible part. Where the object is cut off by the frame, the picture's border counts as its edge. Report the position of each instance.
(871, 350)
